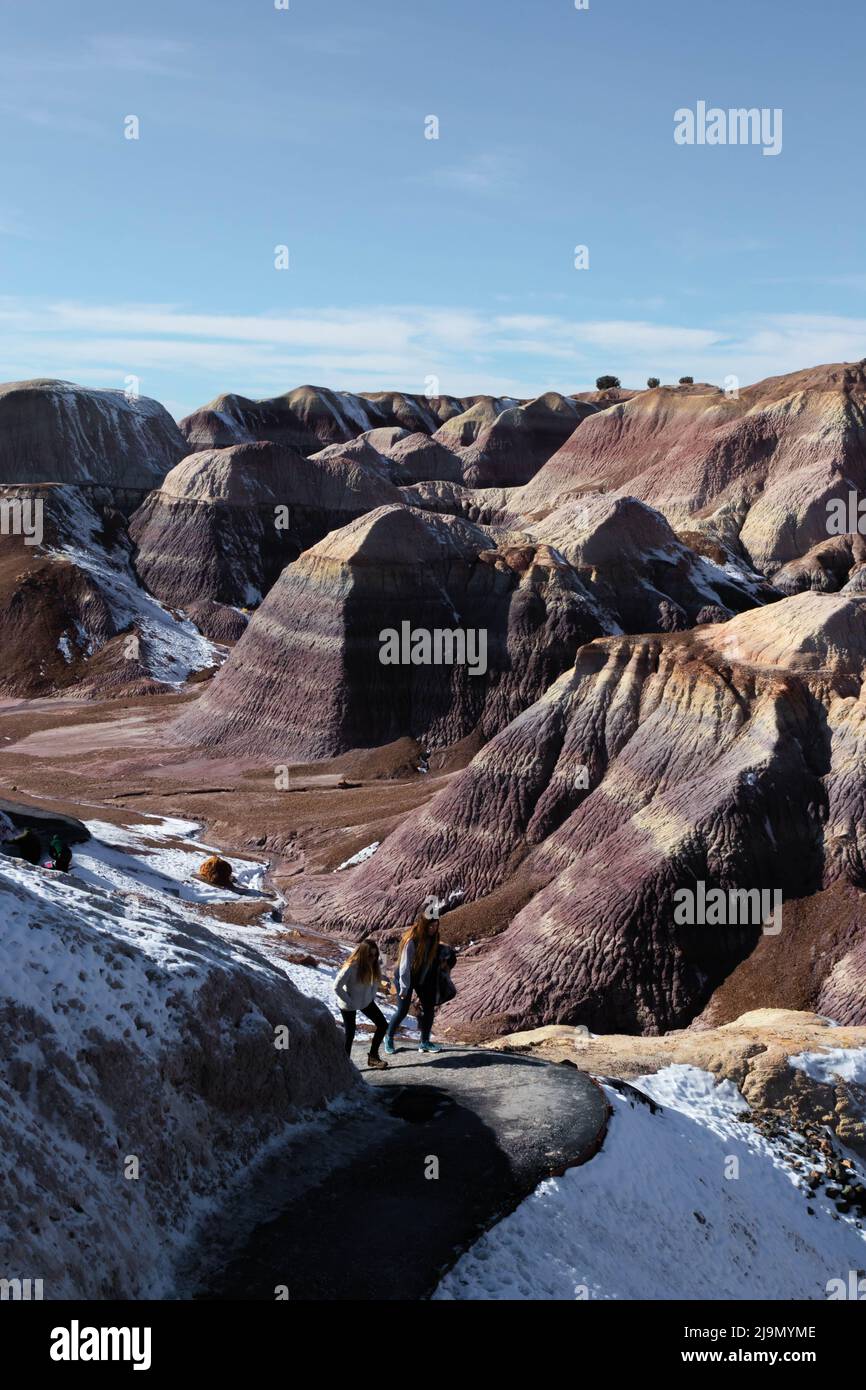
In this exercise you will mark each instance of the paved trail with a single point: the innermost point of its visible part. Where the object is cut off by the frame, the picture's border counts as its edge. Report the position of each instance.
(377, 1227)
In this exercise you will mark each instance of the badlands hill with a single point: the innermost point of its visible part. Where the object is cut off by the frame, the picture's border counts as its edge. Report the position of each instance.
(757, 467)
(482, 438)
(730, 755)
(307, 680)
(53, 431)
(310, 417)
(225, 522)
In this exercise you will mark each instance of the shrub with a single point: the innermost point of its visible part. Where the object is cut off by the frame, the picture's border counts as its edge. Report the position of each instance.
(607, 383)
(652, 382)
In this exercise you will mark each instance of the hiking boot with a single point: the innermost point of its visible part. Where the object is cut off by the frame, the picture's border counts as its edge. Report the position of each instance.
(429, 1047)
(376, 1064)
(389, 1047)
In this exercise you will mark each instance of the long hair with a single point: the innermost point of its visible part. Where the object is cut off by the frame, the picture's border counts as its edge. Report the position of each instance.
(365, 958)
(426, 943)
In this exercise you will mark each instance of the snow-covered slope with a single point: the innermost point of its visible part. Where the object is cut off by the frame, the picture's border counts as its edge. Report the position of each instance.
(142, 1072)
(73, 614)
(683, 1202)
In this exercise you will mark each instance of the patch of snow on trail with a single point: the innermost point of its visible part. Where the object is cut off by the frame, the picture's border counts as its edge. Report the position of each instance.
(655, 1215)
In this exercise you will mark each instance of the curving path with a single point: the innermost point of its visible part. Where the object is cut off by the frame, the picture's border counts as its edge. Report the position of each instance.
(377, 1227)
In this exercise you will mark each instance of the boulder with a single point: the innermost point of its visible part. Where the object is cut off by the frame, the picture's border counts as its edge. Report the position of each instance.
(217, 872)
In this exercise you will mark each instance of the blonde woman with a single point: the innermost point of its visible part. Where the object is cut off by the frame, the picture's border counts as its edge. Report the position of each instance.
(355, 988)
(418, 973)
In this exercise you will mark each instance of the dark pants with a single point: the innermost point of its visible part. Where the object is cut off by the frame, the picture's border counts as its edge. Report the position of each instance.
(376, 1017)
(427, 1000)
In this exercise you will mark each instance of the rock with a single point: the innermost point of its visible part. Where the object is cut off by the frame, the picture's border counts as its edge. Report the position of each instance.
(755, 1053)
(219, 622)
(636, 566)
(217, 872)
(416, 458)
(827, 568)
(505, 442)
(310, 417)
(43, 823)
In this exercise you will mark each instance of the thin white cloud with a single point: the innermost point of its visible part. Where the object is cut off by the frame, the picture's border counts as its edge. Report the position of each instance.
(102, 53)
(401, 347)
(488, 172)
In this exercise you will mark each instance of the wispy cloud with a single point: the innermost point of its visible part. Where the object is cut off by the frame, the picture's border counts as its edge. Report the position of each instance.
(489, 172)
(126, 53)
(401, 346)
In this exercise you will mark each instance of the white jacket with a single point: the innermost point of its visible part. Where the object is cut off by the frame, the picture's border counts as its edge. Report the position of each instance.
(353, 993)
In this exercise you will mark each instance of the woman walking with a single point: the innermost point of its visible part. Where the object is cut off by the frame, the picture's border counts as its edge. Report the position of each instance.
(355, 988)
(418, 973)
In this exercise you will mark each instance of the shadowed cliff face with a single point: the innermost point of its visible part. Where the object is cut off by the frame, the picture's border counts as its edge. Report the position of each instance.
(307, 679)
(731, 755)
(761, 464)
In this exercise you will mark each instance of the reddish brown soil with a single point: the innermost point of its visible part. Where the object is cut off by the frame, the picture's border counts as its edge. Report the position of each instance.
(116, 760)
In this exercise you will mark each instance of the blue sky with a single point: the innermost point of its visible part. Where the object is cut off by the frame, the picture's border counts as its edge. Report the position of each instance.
(413, 258)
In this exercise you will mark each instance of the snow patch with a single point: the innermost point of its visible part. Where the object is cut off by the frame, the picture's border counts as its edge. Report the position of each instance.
(657, 1215)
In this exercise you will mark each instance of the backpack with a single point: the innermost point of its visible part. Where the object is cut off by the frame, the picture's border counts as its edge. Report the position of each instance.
(446, 988)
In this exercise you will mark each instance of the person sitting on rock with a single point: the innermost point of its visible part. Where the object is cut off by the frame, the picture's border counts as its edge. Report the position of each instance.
(418, 973)
(355, 988)
(61, 854)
